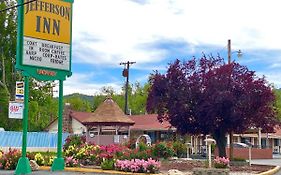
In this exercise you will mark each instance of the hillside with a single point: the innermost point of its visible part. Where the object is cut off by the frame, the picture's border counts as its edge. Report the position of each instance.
(88, 98)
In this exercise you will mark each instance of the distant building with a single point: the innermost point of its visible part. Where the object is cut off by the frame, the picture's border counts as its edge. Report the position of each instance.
(108, 124)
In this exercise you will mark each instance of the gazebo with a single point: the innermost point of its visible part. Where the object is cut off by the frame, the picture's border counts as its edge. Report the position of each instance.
(108, 124)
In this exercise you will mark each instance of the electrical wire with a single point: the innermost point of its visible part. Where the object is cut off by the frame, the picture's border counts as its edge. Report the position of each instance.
(15, 6)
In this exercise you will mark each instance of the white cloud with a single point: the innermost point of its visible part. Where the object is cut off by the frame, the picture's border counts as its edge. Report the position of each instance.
(81, 83)
(107, 32)
(122, 26)
(272, 77)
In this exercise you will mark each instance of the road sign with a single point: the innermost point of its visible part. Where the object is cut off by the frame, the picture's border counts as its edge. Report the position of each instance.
(15, 110)
(43, 52)
(19, 91)
(45, 39)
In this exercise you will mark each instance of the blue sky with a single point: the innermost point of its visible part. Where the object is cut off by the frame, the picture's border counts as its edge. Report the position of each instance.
(156, 32)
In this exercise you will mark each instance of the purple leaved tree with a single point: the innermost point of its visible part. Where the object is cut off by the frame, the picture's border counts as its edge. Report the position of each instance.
(208, 96)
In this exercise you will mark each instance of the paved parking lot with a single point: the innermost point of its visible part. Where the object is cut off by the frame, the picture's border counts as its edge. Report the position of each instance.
(276, 162)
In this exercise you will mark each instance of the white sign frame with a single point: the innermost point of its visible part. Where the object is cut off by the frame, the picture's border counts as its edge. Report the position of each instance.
(16, 110)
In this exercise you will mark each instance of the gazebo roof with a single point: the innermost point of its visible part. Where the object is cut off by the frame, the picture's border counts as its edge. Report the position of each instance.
(108, 113)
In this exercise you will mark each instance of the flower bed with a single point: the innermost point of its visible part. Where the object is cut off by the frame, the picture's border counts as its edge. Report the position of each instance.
(9, 160)
(111, 157)
(138, 166)
(221, 162)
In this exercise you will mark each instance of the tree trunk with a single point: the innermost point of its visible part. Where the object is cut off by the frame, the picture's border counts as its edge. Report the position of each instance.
(3, 70)
(220, 138)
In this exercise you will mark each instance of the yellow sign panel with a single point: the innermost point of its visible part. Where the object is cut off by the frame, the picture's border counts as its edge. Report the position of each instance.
(48, 20)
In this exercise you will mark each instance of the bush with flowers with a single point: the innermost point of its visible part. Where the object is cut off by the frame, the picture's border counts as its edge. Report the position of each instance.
(9, 160)
(163, 150)
(45, 159)
(74, 140)
(221, 162)
(137, 165)
(76, 147)
(71, 162)
(39, 159)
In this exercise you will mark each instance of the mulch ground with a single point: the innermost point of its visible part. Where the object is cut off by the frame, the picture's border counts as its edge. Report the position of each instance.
(187, 165)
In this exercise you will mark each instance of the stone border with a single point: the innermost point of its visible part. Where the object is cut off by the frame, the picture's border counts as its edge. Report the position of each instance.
(91, 170)
(271, 172)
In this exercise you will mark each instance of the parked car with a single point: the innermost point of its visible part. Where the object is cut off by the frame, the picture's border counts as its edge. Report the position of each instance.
(240, 145)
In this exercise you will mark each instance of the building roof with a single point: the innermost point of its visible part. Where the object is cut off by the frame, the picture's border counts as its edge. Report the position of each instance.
(272, 135)
(108, 113)
(80, 116)
(149, 122)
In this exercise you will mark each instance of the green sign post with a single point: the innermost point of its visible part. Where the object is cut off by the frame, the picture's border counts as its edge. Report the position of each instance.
(44, 52)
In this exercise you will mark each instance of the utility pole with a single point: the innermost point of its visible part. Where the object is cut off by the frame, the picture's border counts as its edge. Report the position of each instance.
(231, 133)
(229, 51)
(125, 73)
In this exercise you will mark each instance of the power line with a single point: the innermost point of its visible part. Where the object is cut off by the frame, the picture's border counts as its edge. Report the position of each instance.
(15, 6)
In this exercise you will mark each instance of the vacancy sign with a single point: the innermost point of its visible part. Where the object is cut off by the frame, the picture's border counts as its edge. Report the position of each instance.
(47, 34)
(15, 110)
(19, 91)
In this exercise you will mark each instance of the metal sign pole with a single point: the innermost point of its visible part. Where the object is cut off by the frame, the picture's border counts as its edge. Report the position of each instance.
(23, 166)
(45, 56)
(58, 164)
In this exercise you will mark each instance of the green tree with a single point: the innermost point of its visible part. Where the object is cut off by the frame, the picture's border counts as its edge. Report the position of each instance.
(42, 107)
(8, 74)
(277, 104)
(78, 104)
(137, 101)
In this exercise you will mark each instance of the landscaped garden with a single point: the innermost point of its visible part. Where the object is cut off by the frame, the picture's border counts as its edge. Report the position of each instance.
(144, 159)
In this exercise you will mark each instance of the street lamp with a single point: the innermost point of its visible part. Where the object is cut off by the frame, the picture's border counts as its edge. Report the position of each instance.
(209, 142)
(188, 145)
(229, 52)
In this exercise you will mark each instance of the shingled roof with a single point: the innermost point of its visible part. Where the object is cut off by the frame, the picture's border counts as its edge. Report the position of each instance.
(149, 122)
(108, 113)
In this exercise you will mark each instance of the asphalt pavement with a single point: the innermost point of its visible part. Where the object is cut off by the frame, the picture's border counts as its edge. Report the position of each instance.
(11, 172)
(276, 161)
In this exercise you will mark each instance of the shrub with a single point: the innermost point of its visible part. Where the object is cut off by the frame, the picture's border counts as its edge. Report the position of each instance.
(71, 162)
(9, 160)
(131, 144)
(162, 150)
(111, 151)
(30, 155)
(74, 140)
(49, 160)
(239, 159)
(1, 154)
(107, 164)
(221, 162)
(137, 165)
(39, 159)
(46, 159)
(142, 146)
(179, 148)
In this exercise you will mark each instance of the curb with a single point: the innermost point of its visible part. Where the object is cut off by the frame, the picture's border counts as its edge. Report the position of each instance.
(271, 172)
(90, 170)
